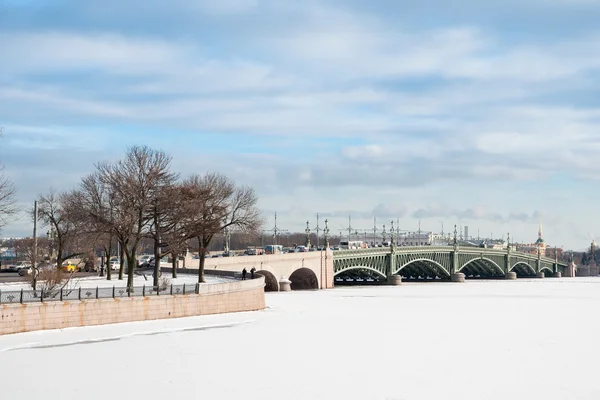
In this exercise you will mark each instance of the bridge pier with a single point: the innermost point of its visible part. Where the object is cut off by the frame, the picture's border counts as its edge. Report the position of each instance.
(557, 274)
(395, 280)
(457, 277)
(511, 276)
(540, 275)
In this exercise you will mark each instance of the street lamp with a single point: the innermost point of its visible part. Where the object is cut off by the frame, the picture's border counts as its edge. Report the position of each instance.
(307, 230)
(326, 235)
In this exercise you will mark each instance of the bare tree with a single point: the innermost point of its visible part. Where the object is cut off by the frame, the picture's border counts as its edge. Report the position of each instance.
(219, 204)
(93, 205)
(123, 197)
(179, 221)
(54, 211)
(163, 214)
(8, 207)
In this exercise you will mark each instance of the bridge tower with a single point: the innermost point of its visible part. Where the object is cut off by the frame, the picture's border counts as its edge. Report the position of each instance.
(508, 273)
(395, 280)
(455, 276)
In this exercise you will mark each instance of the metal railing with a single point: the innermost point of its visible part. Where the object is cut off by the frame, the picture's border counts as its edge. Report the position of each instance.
(35, 296)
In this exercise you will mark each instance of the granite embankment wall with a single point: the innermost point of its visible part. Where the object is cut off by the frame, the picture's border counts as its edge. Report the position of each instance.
(219, 298)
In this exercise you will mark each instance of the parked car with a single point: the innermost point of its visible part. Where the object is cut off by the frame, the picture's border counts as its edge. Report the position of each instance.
(69, 267)
(144, 260)
(115, 265)
(164, 262)
(25, 271)
(10, 268)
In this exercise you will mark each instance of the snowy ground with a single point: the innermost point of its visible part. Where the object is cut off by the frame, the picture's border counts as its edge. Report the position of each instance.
(138, 280)
(534, 339)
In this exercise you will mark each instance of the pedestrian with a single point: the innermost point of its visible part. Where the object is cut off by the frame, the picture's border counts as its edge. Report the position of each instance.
(244, 272)
(252, 271)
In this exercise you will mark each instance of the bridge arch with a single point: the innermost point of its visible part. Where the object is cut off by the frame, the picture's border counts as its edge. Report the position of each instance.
(304, 279)
(524, 269)
(271, 284)
(546, 268)
(479, 265)
(422, 268)
(359, 267)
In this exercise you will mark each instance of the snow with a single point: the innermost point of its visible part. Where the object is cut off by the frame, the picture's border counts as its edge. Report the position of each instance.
(138, 280)
(524, 339)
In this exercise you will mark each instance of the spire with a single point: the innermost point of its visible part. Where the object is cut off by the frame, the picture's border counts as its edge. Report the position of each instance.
(540, 240)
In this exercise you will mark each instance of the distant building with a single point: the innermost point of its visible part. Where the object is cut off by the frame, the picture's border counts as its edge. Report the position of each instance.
(419, 239)
(539, 245)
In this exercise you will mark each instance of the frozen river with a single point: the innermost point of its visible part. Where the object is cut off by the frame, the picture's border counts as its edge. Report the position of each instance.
(534, 339)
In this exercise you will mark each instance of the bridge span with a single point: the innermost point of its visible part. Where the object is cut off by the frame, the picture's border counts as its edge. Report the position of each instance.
(443, 262)
(320, 269)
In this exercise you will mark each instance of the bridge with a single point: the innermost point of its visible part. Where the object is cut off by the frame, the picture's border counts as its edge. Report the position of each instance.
(320, 269)
(442, 262)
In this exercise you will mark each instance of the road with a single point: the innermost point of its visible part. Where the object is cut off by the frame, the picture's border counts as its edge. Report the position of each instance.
(14, 276)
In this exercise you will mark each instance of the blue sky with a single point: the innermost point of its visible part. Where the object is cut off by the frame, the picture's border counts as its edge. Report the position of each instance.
(483, 114)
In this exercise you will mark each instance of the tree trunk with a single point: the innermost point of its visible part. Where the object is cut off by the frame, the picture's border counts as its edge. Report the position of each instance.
(202, 262)
(59, 262)
(107, 265)
(131, 259)
(156, 252)
(122, 261)
(175, 262)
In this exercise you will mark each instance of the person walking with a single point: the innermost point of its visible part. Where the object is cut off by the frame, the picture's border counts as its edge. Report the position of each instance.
(244, 272)
(252, 271)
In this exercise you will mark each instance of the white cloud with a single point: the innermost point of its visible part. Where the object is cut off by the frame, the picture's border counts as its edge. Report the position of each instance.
(427, 116)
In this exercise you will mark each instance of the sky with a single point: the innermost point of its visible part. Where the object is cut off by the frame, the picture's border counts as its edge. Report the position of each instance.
(482, 114)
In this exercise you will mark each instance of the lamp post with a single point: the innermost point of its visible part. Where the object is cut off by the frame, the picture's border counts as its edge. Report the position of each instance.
(307, 230)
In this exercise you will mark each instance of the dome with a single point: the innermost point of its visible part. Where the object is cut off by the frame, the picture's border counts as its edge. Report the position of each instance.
(540, 240)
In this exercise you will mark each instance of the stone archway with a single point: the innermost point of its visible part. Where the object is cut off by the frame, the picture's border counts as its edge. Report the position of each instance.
(271, 284)
(304, 279)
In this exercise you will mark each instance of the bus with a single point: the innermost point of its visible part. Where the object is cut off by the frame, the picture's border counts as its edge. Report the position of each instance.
(273, 249)
(353, 245)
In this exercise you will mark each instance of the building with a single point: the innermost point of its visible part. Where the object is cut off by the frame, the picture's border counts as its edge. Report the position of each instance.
(538, 246)
(418, 239)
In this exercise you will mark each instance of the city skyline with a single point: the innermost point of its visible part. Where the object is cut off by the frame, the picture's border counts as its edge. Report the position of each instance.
(473, 114)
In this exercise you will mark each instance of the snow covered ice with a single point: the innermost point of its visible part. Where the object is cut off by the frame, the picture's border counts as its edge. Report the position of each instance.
(525, 339)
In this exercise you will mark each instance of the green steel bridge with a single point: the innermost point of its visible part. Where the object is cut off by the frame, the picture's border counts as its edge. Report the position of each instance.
(442, 262)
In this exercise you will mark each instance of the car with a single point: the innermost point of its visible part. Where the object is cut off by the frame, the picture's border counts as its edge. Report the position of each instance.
(69, 267)
(45, 266)
(163, 262)
(10, 268)
(115, 265)
(144, 260)
(25, 271)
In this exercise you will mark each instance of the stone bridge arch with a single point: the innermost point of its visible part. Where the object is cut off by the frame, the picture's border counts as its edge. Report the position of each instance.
(271, 283)
(304, 279)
